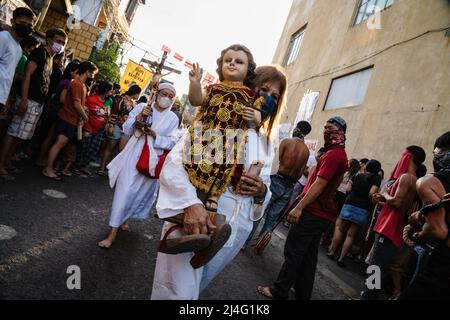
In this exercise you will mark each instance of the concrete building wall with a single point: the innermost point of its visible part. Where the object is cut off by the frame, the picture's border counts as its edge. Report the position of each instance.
(89, 10)
(81, 40)
(408, 98)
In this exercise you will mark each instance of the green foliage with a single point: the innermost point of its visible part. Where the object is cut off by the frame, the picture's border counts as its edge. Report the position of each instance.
(105, 59)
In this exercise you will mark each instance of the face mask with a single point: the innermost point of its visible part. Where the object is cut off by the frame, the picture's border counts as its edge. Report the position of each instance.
(89, 81)
(333, 138)
(57, 48)
(23, 30)
(164, 102)
(269, 106)
(441, 161)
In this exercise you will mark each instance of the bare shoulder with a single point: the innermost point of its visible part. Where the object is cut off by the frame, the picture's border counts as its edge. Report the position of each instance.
(430, 184)
(408, 178)
(427, 181)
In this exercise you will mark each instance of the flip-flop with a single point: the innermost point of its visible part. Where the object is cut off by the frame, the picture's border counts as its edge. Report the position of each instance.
(187, 243)
(86, 172)
(264, 293)
(55, 178)
(101, 173)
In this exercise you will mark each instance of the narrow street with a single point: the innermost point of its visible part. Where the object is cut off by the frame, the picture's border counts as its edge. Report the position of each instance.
(54, 230)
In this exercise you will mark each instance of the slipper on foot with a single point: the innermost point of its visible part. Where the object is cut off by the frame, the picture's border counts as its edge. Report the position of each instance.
(55, 177)
(265, 292)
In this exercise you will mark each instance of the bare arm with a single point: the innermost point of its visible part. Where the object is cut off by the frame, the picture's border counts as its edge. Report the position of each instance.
(405, 185)
(313, 193)
(349, 186)
(80, 110)
(195, 89)
(29, 70)
(372, 191)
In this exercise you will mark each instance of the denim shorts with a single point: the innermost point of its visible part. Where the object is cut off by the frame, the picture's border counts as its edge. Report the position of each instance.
(117, 134)
(354, 214)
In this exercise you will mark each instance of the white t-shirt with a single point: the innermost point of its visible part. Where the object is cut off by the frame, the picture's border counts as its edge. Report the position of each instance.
(10, 54)
(311, 163)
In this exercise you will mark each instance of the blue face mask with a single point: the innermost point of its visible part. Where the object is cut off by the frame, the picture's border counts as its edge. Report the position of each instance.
(269, 107)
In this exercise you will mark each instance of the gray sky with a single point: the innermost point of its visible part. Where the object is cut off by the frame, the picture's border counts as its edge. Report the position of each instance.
(200, 29)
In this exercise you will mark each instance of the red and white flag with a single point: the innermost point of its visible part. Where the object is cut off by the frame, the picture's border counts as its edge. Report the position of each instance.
(178, 56)
(188, 64)
(166, 49)
(209, 77)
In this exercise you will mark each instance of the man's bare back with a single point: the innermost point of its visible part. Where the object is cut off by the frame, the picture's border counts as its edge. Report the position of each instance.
(294, 155)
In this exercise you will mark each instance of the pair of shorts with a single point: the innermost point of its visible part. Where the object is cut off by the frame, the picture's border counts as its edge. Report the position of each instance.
(405, 260)
(354, 214)
(66, 129)
(23, 127)
(117, 134)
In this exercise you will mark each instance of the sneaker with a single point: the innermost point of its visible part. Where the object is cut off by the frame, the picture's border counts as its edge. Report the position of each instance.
(102, 173)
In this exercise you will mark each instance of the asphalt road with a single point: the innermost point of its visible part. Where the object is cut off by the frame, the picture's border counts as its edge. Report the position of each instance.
(47, 226)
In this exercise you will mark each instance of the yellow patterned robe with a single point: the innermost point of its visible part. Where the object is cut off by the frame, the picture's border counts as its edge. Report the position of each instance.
(222, 110)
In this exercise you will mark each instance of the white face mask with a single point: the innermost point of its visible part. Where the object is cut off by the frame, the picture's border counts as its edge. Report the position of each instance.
(164, 102)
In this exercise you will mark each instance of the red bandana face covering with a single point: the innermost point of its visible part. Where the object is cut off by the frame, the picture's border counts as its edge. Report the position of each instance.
(334, 138)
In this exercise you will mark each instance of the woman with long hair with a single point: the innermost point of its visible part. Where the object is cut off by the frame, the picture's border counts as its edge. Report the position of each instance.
(175, 277)
(356, 210)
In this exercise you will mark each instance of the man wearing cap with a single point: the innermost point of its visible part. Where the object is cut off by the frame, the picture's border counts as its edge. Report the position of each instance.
(135, 193)
(311, 216)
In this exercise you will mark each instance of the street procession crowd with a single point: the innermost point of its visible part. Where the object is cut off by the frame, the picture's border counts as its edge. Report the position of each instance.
(215, 177)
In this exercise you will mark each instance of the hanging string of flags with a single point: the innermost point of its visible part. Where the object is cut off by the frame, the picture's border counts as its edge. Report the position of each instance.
(208, 78)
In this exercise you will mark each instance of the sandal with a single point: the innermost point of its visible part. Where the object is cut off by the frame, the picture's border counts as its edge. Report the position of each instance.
(218, 239)
(55, 177)
(86, 172)
(265, 292)
(187, 243)
(101, 173)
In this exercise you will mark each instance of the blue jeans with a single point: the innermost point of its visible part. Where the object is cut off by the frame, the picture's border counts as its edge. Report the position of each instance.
(281, 188)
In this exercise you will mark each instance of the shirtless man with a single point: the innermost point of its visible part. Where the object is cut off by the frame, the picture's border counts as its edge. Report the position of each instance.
(294, 155)
(396, 201)
(433, 281)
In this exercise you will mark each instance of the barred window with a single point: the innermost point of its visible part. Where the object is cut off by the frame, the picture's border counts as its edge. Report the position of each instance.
(367, 8)
(294, 46)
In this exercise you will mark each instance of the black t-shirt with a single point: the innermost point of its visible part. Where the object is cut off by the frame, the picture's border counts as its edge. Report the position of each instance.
(361, 185)
(40, 79)
(55, 78)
